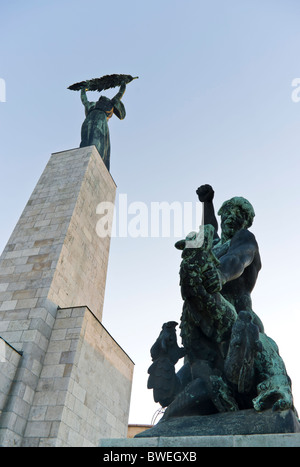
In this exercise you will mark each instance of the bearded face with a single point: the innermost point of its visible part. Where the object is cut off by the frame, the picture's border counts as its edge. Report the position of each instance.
(232, 220)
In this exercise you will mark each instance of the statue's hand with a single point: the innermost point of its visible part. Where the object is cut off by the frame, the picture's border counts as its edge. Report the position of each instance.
(86, 86)
(205, 193)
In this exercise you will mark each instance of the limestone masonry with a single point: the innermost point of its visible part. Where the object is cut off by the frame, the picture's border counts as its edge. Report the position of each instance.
(64, 381)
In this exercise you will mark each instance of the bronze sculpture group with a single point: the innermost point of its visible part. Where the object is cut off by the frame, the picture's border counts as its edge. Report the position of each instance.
(230, 364)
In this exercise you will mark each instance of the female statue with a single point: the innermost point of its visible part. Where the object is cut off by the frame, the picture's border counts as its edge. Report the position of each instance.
(94, 130)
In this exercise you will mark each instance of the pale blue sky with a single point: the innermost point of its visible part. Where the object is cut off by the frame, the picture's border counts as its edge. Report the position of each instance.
(212, 105)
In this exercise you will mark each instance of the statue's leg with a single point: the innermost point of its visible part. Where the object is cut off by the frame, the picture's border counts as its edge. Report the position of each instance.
(84, 134)
(194, 397)
(274, 389)
(202, 396)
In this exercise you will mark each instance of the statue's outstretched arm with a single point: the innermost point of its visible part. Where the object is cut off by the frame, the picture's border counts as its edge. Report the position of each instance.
(121, 92)
(84, 98)
(206, 194)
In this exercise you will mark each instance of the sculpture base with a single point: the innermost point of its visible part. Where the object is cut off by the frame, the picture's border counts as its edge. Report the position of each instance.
(284, 440)
(242, 422)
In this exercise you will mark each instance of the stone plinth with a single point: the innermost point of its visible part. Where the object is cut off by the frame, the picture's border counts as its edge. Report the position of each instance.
(245, 428)
(234, 441)
(241, 422)
(84, 389)
(53, 259)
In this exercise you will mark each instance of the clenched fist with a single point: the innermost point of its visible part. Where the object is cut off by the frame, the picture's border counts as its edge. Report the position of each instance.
(205, 193)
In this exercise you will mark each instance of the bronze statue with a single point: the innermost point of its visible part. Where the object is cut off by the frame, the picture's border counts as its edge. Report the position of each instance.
(94, 130)
(230, 364)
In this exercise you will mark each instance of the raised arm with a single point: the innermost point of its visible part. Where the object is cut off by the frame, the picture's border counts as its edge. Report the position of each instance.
(119, 108)
(206, 194)
(84, 98)
(121, 92)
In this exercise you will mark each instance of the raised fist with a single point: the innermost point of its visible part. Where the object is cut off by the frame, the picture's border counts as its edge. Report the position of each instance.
(205, 193)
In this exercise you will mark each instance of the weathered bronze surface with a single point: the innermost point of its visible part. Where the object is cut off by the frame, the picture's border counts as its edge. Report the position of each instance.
(230, 364)
(94, 130)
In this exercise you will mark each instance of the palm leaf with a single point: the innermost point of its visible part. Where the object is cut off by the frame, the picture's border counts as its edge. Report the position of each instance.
(100, 84)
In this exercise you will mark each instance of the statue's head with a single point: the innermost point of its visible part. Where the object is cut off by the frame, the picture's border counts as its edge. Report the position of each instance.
(236, 214)
(105, 104)
(104, 100)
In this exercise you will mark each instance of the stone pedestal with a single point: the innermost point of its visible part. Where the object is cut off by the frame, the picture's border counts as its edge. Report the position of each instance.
(241, 422)
(84, 388)
(54, 265)
(285, 440)
(244, 428)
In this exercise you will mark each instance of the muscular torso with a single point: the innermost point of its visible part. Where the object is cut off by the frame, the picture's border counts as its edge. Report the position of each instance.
(238, 290)
(241, 264)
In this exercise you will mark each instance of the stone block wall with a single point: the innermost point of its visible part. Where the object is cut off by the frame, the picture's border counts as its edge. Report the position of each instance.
(80, 272)
(54, 258)
(9, 362)
(85, 385)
